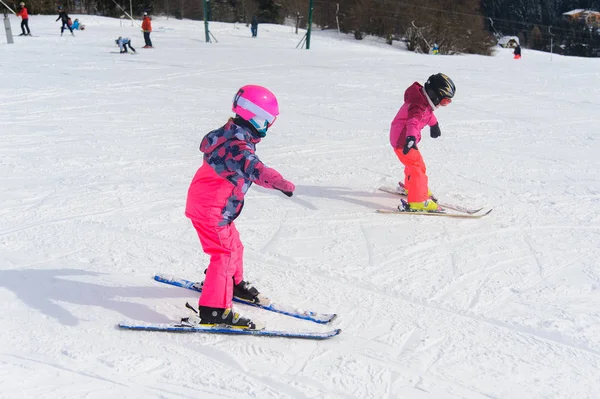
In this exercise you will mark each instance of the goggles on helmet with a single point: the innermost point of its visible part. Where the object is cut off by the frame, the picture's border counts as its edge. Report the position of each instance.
(445, 101)
(262, 120)
(261, 125)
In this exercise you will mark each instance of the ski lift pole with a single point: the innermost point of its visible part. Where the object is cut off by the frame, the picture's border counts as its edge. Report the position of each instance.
(337, 20)
(9, 35)
(125, 12)
(492, 25)
(551, 41)
(308, 31)
(206, 31)
(6, 5)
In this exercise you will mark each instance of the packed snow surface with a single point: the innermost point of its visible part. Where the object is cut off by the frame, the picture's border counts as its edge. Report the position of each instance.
(98, 149)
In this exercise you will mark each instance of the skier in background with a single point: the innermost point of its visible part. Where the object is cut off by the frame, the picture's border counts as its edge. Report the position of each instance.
(254, 26)
(517, 52)
(64, 17)
(123, 42)
(417, 111)
(147, 28)
(22, 12)
(216, 197)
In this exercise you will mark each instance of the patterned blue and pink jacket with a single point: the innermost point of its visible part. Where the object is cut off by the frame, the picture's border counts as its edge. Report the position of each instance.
(230, 166)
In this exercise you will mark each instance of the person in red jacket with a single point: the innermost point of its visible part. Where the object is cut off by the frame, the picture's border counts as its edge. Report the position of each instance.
(147, 28)
(22, 12)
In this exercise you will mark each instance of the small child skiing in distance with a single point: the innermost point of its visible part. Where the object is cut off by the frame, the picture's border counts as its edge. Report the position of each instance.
(405, 134)
(216, 197)
(517, 52)
(123, 42)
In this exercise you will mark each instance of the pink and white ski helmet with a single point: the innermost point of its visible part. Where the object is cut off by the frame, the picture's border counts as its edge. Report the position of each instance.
(257, 105)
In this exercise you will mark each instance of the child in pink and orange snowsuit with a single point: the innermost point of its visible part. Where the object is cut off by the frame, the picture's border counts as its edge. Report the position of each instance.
(216, 197)
(405, 134)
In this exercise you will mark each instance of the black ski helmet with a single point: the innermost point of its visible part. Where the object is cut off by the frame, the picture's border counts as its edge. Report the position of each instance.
(439, 86)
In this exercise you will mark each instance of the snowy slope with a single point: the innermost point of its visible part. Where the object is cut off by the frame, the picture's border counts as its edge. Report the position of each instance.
(97, 153)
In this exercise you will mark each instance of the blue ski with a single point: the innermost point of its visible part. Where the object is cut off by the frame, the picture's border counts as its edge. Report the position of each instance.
(224, 330)
(321, 318)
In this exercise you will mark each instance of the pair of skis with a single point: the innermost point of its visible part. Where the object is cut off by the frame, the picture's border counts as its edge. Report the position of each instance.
(461, 212)
(316, 317)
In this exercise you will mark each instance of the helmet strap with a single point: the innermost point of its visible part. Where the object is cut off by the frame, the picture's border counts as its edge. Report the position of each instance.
(430, 100)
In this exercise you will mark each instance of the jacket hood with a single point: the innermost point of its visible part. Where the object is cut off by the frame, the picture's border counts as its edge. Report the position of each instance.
(415, 94)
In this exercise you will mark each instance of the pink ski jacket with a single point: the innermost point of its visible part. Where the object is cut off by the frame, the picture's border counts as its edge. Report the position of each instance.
(415, 113)
(230, 166)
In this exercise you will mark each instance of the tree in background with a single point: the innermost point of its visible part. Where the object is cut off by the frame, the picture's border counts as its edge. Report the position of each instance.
(522, 17)
(536, 40)
(457, 26)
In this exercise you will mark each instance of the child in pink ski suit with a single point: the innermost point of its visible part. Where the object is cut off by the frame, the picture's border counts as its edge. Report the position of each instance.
(405, 134)
(216, 197)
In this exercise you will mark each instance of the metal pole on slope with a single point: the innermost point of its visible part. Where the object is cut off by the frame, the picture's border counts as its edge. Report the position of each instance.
(126, 13)
(551, 41)
(309, 28)
(6, 5)
(9, 36)
(131, 11)
(206, 32)
(337, 20)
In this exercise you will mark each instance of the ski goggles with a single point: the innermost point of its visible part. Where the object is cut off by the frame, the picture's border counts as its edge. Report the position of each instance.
(260, 115)
(261, 125)
(445, 101)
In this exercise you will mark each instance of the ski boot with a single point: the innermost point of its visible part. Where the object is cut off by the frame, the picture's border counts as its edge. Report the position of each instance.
(207, 316)
(425, 206)
(246, 292)
(401, 189)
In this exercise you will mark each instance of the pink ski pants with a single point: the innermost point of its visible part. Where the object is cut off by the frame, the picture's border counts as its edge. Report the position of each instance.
(226, 252)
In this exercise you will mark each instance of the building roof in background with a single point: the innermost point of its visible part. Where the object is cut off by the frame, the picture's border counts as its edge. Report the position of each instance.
(574, 12)
(506, 39)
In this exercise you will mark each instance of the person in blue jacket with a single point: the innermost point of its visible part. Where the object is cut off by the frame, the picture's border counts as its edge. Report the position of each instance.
(123, 42)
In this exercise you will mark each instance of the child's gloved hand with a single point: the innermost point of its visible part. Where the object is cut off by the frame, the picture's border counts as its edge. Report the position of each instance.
(285, 186)
(434, 131)
(411, 142)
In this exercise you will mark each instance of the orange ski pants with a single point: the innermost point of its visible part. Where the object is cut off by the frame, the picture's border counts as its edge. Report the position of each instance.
(415, 178)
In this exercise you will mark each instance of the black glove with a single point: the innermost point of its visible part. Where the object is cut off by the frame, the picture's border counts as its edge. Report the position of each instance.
(411, 142)
(434, 131)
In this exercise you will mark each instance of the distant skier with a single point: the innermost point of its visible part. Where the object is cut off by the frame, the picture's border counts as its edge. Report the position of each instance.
(405, 133)
(64, 18)
(147, 28)
(517, 52)
(216, 197)
(254, 26)
(123, 43)
(22, 12)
